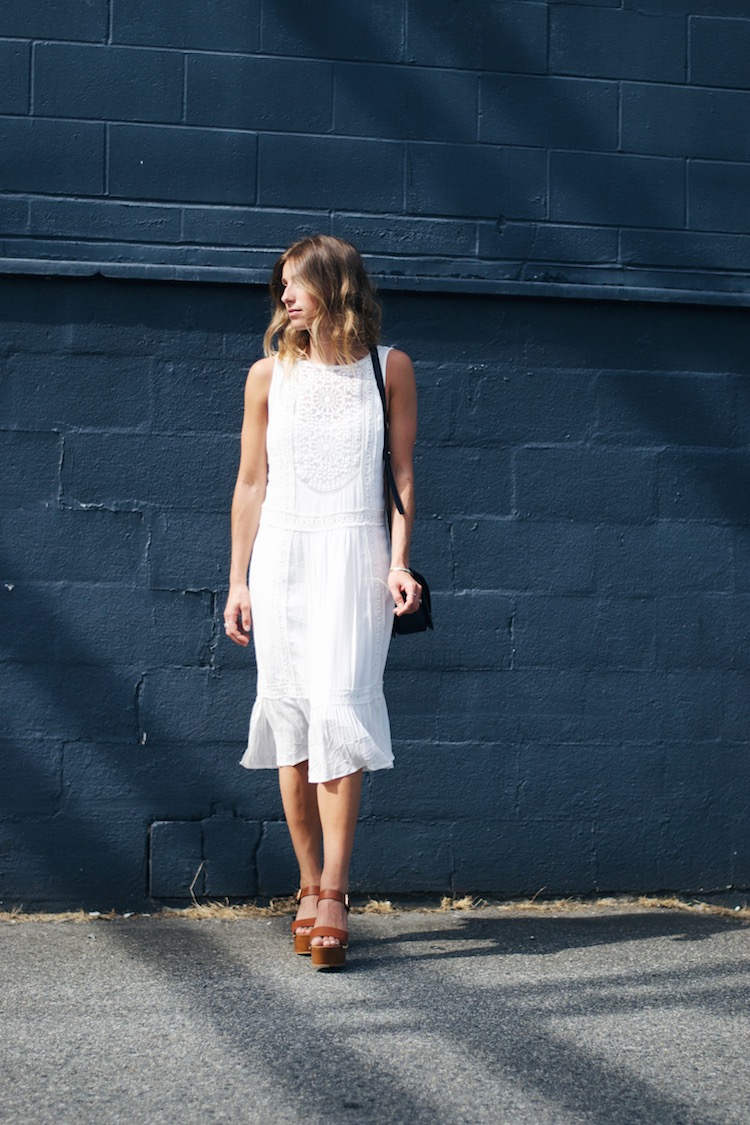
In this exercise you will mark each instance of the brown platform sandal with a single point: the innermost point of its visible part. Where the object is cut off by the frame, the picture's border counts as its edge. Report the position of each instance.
(330, 956)
(302, 941)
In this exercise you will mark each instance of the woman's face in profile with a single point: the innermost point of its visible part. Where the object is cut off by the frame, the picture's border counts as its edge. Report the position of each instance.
(298, 302)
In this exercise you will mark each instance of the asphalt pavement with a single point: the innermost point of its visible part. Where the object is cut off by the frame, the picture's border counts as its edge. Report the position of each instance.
(598, 1015)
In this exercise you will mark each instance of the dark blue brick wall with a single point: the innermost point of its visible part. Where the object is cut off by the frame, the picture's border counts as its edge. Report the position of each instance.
(229, 26)
(530, 146)
(56, 157)
(49, 19)
(618, 44)
(148, 163)
(717, 199)
(577, 722)
(718, 52)
(236, 92)
(15, 59)
(115, 83)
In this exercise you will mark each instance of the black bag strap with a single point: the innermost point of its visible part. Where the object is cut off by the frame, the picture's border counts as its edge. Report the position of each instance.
(386, 436)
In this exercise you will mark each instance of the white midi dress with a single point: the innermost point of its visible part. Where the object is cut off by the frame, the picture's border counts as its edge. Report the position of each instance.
(322, 612)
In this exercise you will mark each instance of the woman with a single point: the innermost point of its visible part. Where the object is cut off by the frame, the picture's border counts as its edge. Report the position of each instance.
(308, 518)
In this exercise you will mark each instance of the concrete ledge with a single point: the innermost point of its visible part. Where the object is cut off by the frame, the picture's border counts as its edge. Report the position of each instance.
(650, 287)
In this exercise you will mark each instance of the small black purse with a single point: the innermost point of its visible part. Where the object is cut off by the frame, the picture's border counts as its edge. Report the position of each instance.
(421, 619)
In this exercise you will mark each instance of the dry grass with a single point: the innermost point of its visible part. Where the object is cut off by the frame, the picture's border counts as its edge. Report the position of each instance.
(17, 914)
(219, 911)
(640, 902)
(694, 907)
(226, 912)
(465, 903)
(561, 905)
(375, 906)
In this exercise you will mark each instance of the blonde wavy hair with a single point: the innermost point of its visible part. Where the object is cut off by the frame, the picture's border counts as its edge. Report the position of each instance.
(348, 313)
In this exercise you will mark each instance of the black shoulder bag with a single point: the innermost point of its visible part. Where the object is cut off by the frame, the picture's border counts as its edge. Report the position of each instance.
(421, 619)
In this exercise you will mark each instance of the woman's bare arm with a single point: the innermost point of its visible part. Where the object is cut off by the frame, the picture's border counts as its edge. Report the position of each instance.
(249, 493)
(402, 424)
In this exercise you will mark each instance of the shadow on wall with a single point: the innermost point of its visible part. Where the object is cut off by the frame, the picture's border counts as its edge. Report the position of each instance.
(526, 110)
(694, 404)
(94, 646)
(82, 788)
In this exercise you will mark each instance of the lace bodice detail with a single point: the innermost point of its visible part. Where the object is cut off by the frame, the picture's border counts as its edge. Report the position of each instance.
(328, 403)
(325, 443)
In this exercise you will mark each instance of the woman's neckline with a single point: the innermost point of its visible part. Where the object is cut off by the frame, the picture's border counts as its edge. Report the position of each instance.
(334, 366)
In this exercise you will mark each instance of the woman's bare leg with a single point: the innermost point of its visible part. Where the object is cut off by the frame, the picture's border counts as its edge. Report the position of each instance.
(338, 804)
(300, 802)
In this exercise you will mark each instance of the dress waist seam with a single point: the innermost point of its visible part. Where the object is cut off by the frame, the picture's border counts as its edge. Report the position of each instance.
(347, 697)
(295, 521)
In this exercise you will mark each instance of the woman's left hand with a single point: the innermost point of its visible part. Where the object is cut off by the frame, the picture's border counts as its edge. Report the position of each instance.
(406, 591)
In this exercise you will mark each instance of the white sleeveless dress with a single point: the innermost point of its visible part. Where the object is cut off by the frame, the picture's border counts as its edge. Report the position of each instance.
(322, 612)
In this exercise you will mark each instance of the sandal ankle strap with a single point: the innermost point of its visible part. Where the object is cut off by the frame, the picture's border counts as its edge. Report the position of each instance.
(303, 891)
(338, 896)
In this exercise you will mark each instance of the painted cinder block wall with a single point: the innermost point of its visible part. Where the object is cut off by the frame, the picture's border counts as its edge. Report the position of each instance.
(553, 197)
(487, 143)
(579, 718)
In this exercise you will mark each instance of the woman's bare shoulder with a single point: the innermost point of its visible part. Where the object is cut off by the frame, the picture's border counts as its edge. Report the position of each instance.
(259, 378)
(398, 357)
(400, 367)
(262, 370)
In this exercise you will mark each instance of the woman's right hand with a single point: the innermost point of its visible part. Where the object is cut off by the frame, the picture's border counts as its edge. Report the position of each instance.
(237, 616)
